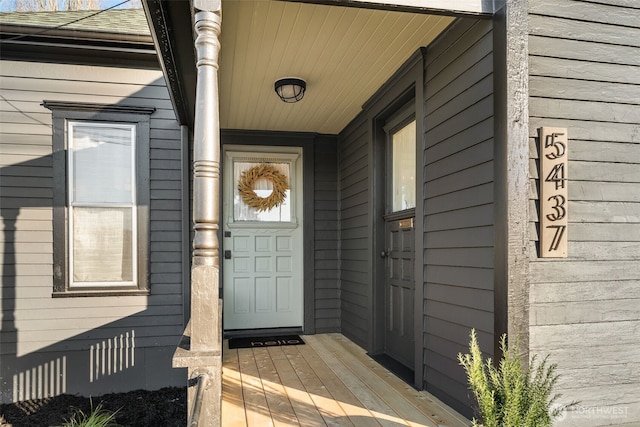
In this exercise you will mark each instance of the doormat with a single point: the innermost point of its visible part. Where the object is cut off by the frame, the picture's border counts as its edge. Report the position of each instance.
(257, 342)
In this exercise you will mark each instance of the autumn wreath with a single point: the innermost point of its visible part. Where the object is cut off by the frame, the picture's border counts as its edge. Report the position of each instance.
(268, 172)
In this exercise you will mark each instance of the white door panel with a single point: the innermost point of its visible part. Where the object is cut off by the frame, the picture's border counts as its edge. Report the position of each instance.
(262, 279)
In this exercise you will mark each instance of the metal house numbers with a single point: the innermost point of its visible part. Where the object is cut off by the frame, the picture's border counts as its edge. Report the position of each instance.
(553, 192)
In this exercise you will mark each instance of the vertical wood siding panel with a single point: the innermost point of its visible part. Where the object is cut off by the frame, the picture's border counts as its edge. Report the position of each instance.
(584, 76)
(459, 168)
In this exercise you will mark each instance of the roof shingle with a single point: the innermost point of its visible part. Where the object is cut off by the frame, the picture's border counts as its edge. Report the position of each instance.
(119, 21)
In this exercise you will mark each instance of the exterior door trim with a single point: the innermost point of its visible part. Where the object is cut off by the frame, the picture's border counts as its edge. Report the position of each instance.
(232, 139)
(291, 233)
(407, 84)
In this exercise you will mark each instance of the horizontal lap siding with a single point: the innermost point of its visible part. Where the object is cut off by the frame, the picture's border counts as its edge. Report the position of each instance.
(458, 223)
(327, 293)
(355, 232)
(45, 324)
(585, 310)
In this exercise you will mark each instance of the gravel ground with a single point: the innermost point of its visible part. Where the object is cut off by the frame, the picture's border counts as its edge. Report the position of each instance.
(166, 407)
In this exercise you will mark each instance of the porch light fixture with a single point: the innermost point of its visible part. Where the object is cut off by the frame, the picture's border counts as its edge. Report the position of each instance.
(290, 89)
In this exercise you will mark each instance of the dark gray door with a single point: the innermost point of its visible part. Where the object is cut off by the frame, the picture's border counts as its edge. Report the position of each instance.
(399, 290)
(399, 341)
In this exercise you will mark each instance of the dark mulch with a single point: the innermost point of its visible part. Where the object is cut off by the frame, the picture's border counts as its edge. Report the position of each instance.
(166, 407)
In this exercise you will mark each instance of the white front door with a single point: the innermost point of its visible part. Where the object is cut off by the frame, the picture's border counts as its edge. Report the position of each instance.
(262, 237)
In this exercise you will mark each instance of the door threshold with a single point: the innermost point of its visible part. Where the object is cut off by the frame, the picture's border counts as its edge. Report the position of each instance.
(265, 332)
(398, 369)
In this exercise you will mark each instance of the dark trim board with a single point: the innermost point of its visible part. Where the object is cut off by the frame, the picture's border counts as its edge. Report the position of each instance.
(406, 87)
(64, 46)
(185, 217)
(176, 54)
(511, 154)
(135, 115)
(501, 283)
(481, 8)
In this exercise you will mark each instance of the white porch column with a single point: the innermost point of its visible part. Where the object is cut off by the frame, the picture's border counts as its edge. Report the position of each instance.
(201, 349)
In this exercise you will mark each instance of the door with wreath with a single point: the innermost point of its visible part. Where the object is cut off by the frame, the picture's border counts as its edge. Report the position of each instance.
(262, 238)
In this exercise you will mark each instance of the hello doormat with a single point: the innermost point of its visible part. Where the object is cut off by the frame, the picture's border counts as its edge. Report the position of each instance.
(258, 342)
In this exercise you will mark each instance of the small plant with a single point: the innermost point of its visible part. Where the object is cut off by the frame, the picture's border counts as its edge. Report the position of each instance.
(98, 417)
(510, 395)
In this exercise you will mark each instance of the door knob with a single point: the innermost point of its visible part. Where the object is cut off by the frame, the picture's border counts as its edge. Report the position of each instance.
(384, 254)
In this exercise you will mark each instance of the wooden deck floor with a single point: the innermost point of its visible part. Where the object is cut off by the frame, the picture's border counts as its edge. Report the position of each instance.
(329, 381)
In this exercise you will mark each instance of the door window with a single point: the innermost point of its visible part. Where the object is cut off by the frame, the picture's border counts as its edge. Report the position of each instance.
(261, 191)
(403, 167)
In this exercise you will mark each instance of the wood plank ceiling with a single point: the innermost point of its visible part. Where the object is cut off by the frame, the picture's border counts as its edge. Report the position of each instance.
(344, 54)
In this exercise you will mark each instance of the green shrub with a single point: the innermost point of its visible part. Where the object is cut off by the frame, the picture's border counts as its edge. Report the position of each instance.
(98, 417)
(510, 395)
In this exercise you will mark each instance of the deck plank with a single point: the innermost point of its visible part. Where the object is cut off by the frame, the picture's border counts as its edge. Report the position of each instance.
(328, 382)
(424, 402)
(233, 403)
(281, 409)
(383, 413)
(255, 401)
(303, 406)
(331, 411)
(359, 415)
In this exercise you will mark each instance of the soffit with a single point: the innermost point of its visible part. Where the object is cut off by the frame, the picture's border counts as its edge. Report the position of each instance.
(344, 54)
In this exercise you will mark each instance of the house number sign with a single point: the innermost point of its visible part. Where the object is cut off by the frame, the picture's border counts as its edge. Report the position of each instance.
(553, 192)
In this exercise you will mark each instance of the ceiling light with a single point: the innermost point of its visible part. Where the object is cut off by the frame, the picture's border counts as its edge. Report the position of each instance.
(290, 89)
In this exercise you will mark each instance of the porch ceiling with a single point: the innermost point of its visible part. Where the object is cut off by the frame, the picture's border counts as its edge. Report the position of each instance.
(345, 54)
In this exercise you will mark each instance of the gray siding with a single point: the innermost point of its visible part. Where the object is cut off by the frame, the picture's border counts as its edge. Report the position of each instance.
(355, 231)
(362, 187)
(584, 61)
(39, 332)
(458, 205)
(327, 292)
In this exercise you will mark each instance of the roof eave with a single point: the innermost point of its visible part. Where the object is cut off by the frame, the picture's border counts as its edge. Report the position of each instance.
(171, 29)
(25, 31)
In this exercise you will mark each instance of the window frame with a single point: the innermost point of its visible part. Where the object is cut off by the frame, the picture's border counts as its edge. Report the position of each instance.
(62, 114)
(401, 118)
(273, 156)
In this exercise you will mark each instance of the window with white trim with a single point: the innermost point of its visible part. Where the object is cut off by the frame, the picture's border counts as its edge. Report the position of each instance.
(101, 199)
(101, 175)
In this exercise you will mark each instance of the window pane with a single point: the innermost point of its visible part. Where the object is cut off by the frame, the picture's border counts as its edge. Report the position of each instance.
(263, 189)
(101, 159)
(102, 245)
(404, 168)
